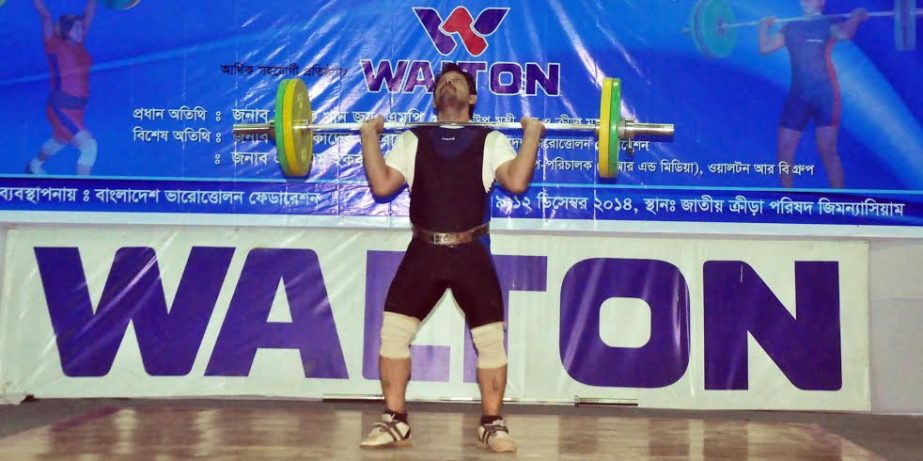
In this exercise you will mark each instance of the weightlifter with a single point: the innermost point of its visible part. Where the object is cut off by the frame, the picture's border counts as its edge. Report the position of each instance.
(449, 171)
(815, 92)
(69, 64)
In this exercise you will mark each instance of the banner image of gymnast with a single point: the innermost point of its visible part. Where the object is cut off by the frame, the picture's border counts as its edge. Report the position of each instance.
(128, 107)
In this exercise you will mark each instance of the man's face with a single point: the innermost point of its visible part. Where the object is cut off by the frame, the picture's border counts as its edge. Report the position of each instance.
(452, 90)
(812, 6)
(76, 34)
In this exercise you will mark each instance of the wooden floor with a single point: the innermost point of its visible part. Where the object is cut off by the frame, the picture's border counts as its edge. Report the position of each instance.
(176, 432)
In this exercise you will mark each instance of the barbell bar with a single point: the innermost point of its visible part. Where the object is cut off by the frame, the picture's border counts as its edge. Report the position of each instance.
(626, 129)
(873, 14)
(713, 26)
(292, 128)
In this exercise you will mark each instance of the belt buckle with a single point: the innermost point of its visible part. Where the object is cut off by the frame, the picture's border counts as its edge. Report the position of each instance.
(451, 238)
(439, 238)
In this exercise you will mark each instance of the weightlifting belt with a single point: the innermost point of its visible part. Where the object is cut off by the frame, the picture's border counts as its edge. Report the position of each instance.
(63, 100)
(451, 238)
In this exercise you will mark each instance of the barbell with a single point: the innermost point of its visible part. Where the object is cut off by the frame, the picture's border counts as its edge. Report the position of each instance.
(713, 26)
(121, 4)
(292, 128)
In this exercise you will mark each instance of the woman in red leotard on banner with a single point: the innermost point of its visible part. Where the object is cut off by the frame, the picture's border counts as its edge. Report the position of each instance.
(69, 68)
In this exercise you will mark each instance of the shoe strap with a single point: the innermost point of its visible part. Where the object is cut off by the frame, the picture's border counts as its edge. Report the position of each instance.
(490, 430)
(391, 428)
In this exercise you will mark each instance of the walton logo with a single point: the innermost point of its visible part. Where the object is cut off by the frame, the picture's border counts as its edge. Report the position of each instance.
(472, 31)
(504, 78)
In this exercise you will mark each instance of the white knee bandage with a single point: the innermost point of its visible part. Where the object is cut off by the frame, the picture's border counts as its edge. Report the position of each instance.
(397, 331)
(87, 153)
(488, 340)
(52, 147)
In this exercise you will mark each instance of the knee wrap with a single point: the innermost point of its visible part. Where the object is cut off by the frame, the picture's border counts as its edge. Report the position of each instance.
(52, 147)
(488, 340)
(87, 153)
(397, 331)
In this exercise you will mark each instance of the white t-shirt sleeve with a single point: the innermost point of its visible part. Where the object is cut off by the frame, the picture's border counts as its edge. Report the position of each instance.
(497, 150)
(402, 156)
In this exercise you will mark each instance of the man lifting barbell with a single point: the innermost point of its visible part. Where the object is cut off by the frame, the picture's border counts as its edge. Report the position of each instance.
(815, 92)
(450, 171)
(450, 166)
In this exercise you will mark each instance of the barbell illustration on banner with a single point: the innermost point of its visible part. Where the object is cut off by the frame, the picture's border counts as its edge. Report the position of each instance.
(121, 4)
(292, 128)
(713, 26)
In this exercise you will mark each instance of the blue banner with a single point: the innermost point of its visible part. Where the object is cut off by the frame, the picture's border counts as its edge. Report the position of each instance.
(808, 122)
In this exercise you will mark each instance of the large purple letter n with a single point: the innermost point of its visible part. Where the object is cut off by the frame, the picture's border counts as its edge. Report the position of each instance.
(805, 347)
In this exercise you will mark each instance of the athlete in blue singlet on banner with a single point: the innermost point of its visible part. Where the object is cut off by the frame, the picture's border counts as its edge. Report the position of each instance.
(815, 92)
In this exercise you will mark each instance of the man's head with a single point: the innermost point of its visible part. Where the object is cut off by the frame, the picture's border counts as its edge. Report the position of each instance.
(812, 6)
(70, 27)
(454, 88)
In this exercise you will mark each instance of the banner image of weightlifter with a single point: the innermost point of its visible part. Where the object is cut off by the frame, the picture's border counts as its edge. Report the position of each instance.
(830, 76)
(69, 67)
(815, 92)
